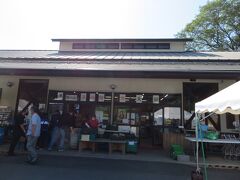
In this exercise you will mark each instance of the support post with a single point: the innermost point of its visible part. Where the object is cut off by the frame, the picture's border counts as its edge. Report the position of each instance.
(112, 107)
(113, 87)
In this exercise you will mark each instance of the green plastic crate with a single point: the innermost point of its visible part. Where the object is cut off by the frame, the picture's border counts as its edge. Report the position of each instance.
(176, 150)
(176, 147)
(132, 146)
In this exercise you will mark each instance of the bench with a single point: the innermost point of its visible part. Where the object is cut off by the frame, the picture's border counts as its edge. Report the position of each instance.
(119, 145)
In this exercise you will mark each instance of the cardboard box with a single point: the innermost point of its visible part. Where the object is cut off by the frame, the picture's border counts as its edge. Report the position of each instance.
(85, 137)
(183, 158)
(88, 137)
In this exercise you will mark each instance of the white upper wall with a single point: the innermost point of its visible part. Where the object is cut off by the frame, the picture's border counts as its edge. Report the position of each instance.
(178, 46)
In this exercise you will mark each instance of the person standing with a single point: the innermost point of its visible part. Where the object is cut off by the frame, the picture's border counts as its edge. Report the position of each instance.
(44, 136)
(93, 122)
(33, 132)
(65, 127)
(18, 131)
(78, 123)
(54, 124)
(202, 130)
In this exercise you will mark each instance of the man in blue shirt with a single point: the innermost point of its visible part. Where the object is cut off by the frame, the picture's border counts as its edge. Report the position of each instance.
(33, 132)
(202, 130)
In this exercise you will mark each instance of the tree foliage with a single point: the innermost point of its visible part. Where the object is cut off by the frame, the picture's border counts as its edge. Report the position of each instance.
(215, 28)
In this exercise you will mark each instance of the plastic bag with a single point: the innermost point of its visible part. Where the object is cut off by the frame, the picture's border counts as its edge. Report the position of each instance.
(213, 135)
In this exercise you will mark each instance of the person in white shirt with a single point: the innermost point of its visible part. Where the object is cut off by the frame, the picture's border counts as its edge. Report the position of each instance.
(33, 132)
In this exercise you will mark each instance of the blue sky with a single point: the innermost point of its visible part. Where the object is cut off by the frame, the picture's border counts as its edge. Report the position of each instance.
(29, 24)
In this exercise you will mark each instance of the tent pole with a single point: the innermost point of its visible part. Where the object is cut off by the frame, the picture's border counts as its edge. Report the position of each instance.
(196, 132)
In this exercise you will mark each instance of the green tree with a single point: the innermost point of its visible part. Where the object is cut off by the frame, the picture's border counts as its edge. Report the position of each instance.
(215, 28)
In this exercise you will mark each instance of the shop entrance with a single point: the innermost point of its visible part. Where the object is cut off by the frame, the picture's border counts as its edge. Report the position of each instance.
(192, 93)
(32, 91)
(147, 122)
(151, 128)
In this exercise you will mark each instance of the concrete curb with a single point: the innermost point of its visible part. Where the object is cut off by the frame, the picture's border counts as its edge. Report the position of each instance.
(124, 158)
(217, 166)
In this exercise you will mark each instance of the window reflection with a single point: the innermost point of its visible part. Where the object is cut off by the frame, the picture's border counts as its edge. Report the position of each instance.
(158, 117)
(172, 116)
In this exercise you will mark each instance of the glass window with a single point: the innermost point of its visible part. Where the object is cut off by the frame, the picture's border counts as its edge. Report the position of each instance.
(112, 46)
(126, 46)
(145, 46)
(164, 46)
(103, 114)
(138, 46)
(158, 117)
(230, 118)
(101, 46)
(77, 46)
(172, 116)
(151, 46)
(95, 46)
(90, 46)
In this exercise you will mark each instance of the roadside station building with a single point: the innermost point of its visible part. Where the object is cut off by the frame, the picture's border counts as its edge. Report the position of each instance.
(147, 85)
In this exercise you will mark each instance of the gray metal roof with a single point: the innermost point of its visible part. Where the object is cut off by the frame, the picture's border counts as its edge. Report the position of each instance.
(120, 66)
(222, 63)
(188, 56)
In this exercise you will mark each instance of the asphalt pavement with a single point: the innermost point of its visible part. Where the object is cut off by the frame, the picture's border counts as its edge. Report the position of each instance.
(71, 168)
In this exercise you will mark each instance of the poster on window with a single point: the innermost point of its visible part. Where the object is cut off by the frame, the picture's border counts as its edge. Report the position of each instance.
(99, 116)
(155, 99)
(41, 107)
(122, 98)
(92, 97)
(83, 97)
(101, 97)
(59, 96)
(139, 98)
(133, 116)
(71, 97)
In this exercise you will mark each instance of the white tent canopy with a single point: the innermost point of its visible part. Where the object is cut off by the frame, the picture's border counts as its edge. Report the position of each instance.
(226, 100)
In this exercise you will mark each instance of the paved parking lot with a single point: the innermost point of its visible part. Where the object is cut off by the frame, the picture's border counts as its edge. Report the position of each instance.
(59, 167)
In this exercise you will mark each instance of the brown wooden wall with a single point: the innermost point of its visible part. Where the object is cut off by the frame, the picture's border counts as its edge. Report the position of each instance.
(176, 138)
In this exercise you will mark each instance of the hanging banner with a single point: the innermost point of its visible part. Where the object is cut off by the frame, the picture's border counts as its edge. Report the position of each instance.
(92, 97)
(139, 98)
(155, 99)
(101, 97)
(122, 98)
(71, 97)
(59, 96)
(83, 97)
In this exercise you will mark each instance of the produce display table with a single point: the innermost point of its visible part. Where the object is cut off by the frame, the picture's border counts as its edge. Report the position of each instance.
(219, 141)
(229, 148)
(112, 145)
